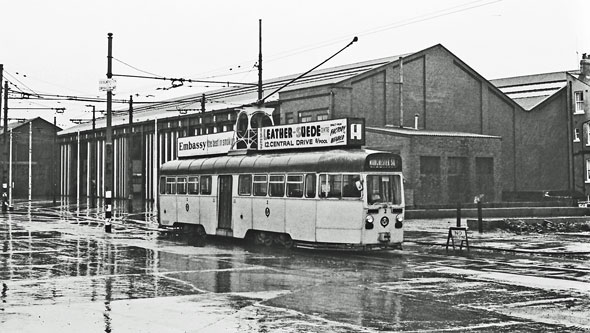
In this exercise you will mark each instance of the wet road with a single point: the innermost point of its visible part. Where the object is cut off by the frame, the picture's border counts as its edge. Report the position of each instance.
(61, 273)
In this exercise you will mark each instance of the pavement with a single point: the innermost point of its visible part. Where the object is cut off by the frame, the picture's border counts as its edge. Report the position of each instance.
(539, 236)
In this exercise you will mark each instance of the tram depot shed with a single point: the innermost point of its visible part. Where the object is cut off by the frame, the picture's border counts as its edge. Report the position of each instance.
(33, 145)
(459, 134)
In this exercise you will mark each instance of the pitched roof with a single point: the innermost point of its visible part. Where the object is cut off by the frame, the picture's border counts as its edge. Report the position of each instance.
(225, 98)
(16, 124)
(408, 131)
(531, 90)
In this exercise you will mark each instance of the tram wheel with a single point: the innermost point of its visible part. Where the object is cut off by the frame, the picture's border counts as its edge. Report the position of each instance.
(286, 241)
(259, 238)
(195, 235)
(269, 240)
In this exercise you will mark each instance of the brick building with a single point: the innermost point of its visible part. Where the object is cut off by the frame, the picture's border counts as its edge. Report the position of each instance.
(553, 150)
(34, 157)
(447, 115)
(460, 135)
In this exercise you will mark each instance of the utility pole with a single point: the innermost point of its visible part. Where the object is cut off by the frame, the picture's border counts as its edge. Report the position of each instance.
(129, 159)
(53, 158)
(260, 60)
(108, 181)
(5, 150)
(30, 159)
(401, 92)
(10, 207)
(5, 99)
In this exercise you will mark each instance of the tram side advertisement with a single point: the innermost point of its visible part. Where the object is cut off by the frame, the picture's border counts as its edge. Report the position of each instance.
(336, 132)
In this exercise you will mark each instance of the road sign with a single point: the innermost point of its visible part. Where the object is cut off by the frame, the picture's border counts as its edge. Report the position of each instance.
(107, 84)
(459, 235)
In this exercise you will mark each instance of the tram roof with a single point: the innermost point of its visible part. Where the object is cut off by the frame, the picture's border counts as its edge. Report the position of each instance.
(309, 161)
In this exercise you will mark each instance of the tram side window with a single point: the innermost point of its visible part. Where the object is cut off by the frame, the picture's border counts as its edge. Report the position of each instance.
(310, 185)
(245, 185)
(330, 186)
(260, 185)
(349, 186)
(162, 185)
(295, 186)
(206, 185)
(193, 185)
(181, 185)
(170, 185)
(276, 186)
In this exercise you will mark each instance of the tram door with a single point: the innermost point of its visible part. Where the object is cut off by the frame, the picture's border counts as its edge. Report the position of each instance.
(224, 202)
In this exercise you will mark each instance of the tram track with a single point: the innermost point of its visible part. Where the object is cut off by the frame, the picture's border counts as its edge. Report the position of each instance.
(569, 270)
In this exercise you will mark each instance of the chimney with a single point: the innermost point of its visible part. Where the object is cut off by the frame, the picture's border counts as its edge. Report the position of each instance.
(585, 68)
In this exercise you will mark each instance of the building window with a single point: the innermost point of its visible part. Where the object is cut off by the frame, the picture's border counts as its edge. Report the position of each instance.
(289, 118)
(588, 171)
(305, 117)
(321, 117)
(587, 135)
(579, 99)
(577, 135)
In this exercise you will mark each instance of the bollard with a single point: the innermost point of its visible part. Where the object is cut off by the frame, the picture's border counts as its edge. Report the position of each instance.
(4, 197)
(458, 215)
(479, 217)
(108, 213)
(130, 204)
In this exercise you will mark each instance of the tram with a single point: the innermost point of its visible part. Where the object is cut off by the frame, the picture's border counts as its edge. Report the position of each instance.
(327, 198)
(307, 185)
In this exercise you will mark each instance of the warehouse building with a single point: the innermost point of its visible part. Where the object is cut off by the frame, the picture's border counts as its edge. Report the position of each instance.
(460, 134)
(31, 160)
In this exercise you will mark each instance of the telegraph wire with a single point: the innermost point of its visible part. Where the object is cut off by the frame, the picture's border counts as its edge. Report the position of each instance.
(137, 69)
(394, 25)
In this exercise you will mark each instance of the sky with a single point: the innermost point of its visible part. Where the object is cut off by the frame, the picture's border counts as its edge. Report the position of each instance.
(59, 47)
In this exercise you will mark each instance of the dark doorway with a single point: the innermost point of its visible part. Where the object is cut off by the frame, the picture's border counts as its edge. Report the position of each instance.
(225, 205)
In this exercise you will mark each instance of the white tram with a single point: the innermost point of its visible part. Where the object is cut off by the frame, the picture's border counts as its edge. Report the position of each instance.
(336, 199)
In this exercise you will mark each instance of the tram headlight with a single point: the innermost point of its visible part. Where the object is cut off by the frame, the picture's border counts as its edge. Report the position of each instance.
(369, 222)
(398, 221)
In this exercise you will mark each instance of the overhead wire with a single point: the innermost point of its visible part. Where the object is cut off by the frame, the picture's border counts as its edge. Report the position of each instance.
(394, 25)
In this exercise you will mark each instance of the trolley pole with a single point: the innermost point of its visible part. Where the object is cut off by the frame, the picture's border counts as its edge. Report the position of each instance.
(108, 179)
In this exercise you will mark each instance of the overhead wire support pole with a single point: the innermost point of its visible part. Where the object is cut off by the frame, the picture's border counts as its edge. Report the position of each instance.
(129, 160)
(260, 59)
(53, 158)
(261, 101)
(4, 199)
(108, 180)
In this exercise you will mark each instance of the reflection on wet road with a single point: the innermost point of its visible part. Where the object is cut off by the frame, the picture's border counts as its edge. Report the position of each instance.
(61, 272)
